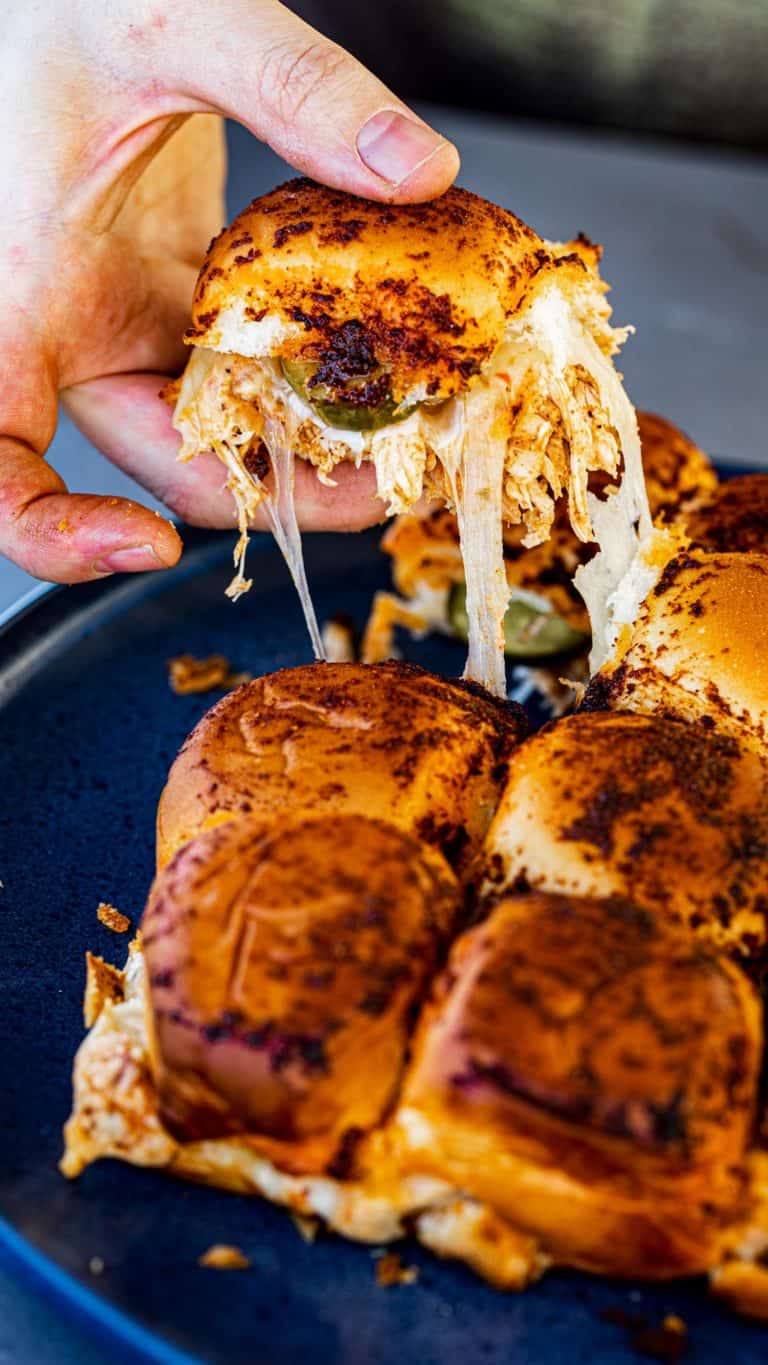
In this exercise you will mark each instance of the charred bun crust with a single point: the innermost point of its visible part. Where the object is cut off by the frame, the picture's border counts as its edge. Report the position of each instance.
(430, 287)
(698, 650)
(733, 518)
(284, 958)
(387, 740)
(667, 814)
(586, 1038)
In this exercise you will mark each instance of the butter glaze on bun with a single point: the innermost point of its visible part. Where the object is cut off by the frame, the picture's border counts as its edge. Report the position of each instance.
(573, 1069)
(389, 741)
(698, 649)
(284, 959)
(432, 285)
(667, 814)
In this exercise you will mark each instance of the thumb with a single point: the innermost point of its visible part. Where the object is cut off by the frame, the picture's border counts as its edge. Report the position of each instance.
(312, 102)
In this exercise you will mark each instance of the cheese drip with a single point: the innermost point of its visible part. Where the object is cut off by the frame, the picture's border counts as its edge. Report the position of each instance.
(472, 456)
(280, 507)
(213, 414)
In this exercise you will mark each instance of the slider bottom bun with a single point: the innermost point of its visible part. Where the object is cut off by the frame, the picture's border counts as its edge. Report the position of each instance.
(390, 741)
(284, 961)
(573, 1097)
(698, 649)
(614, 804)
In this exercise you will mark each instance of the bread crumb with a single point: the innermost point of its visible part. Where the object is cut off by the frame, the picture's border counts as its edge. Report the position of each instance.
(186, 674)
(102, 982)
(391, 1271)
(307, 1228)
(110, 916)
(220, 1256)
(340, 639)
(96, 1265)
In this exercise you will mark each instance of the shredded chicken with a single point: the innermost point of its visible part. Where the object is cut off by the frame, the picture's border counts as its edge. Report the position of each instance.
(548, 410)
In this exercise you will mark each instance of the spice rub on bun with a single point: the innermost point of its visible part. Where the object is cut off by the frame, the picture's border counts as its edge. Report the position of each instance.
(732, 518)
(574, 1071)
(283, 964)
(446, 342)
(666, 814)
(546, 614)
(390, 741)
(698, 648)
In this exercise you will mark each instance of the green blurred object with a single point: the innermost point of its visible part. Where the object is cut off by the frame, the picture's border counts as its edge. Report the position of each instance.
(345, 416)
(529, 633)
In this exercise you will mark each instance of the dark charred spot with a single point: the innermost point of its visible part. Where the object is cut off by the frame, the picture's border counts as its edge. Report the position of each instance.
(285, 233)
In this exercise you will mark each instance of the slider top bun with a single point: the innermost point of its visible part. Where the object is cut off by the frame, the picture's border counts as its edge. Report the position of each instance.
(667, 814)
(734, 517)
(577, 1069)
(698, 649)
(387, 740)
(284, 958)
(306, 271)
(678, 474)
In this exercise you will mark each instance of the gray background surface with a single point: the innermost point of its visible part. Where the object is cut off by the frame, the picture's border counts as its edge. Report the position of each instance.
(686, 249)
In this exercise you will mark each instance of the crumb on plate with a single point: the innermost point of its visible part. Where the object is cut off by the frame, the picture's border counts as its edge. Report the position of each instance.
(186, 674)
(306, 1227)
(390, 1271)
(340, 639)
(221, 1256)
(110, 916)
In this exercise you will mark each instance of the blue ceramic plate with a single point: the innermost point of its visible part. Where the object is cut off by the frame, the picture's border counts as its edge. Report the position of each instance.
(88, 728)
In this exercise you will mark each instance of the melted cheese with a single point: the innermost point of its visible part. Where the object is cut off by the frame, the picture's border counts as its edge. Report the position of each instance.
(548, 410)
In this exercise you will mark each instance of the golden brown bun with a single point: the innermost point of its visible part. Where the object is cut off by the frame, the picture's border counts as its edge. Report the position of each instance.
(432, 285)
(387, 740)
(699, 647)
(284, 957)
(610, 804)
(592, 1076)
(733, 518)
(678, 475)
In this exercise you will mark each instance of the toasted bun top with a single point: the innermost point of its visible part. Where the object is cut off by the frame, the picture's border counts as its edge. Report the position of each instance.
(595, 1011)
(668, 814)
(699, 647)
(284, 957)
(388, 740)
(734, 517)
(677, 472)
(312, 272)
(586, 1033)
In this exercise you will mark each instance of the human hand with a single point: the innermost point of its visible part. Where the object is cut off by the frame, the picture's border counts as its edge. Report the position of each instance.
(112, 167)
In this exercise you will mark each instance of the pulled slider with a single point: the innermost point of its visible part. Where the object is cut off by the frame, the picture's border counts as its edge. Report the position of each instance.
(445, 342)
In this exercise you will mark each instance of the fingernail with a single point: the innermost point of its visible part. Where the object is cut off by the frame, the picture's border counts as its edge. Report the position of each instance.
(130, 560)
(393, 146)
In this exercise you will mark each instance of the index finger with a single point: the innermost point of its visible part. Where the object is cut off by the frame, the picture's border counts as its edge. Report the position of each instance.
(67, 537)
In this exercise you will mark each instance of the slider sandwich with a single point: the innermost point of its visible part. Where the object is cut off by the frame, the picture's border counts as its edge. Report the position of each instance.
(469, 360)
(546, 614)
(561, 1069)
